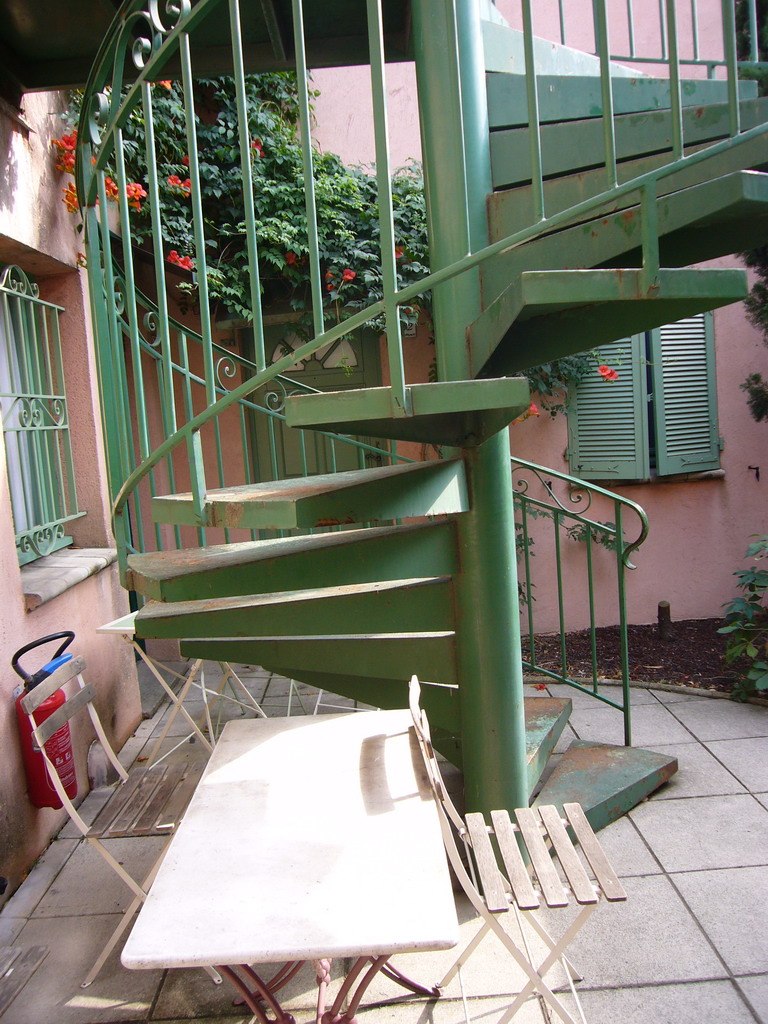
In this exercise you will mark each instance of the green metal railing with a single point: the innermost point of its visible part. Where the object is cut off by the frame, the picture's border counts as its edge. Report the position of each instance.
(35, 420)
(244, 443)
(660, 25)
(138, 53)
(560, 512)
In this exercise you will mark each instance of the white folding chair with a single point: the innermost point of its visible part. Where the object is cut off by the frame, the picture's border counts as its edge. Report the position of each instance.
(149, 801)
(529, 876)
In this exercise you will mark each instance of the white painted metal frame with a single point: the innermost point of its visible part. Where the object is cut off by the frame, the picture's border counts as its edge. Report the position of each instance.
(452, 825)
(125, 627)
(83, 697)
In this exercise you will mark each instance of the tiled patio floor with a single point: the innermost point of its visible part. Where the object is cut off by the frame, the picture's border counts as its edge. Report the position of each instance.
(689, 947)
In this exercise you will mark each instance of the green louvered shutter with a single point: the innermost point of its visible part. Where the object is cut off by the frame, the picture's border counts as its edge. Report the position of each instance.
(684, 397)
(608, 420)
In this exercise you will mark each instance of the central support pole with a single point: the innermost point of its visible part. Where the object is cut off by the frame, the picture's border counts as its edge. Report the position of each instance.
(455, 144)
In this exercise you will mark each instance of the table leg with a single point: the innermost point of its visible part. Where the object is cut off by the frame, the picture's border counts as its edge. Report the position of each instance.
(258, 994)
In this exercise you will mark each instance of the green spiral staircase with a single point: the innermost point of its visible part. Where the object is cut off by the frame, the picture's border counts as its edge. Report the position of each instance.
(566, 207)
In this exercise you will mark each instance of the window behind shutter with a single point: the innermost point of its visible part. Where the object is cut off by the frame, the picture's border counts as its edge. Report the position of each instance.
(684, 398)
(608, 420)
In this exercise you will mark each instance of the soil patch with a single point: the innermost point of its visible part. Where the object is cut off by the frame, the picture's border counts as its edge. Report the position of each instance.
(693, 656)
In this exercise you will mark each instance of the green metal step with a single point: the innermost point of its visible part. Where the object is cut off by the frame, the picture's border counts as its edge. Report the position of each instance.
(545, 719)
(316, 560)
(423, 604)
(547, 314)
(579, 145)
(462, 414)
(703, 222)
(430, 655)
(360, 496)
(606, 780)
(576, 97)
(511, 210)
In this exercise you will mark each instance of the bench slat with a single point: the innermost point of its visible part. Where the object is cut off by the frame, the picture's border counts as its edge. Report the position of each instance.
(525, 895)
(552, 888)
(491, 881)
(606, 877)
(578, 879)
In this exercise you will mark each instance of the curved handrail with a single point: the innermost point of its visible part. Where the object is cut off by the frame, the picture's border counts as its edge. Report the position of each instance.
(289, 384)
(577, 488)
(185, 432)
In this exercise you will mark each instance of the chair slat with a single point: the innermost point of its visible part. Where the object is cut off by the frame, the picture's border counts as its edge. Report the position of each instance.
(578, 879)
(491, 881)
(108, 813)
(123, 824)
(177, 803)
(32, 700)
(62, 715)
(552, 888)
(526, 896)
(606, 877)
(145, 822)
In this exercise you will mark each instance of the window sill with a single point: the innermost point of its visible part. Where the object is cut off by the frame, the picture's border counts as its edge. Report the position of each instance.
(52, 575)
(674, 478)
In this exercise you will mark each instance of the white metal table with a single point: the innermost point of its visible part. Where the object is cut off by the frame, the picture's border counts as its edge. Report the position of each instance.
(191, 681)
(306, 839)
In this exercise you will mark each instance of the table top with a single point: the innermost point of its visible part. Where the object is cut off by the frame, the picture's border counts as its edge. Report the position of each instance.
(306, 838)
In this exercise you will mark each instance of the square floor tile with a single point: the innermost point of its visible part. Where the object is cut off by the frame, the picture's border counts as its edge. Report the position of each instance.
(699, 773)
(705, 832)
(88, 885)
(452, 1011)
(627, 850)
(652, 724)
(756, 992)
(721, 719)
(731, 906)
(650, 939)
(747, 759)
(702, 1002)
(54, 994)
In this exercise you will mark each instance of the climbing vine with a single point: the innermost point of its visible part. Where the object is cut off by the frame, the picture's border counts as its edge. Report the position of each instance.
(347, 212)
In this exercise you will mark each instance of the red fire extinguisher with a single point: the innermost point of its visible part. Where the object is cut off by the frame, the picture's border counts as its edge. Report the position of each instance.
(59, 746)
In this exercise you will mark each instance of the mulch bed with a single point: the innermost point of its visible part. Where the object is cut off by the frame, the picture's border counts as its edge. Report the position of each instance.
(693, 656)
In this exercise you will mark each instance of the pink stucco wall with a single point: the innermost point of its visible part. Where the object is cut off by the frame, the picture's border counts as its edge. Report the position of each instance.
(38, 234)
(699, 529)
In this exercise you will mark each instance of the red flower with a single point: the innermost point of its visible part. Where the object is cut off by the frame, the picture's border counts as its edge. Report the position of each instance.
(111, 189)
(135, 193)
(329, 287)
(533, 409)
(185, 160)
(329, 275)
(290, 258)
(348, 275)
(173, 256)
(167, 84)
(539, 686)
(70, 198)
(187, 263)
(183, 186)
(399, 252)
(257, 147)
(607, 373)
